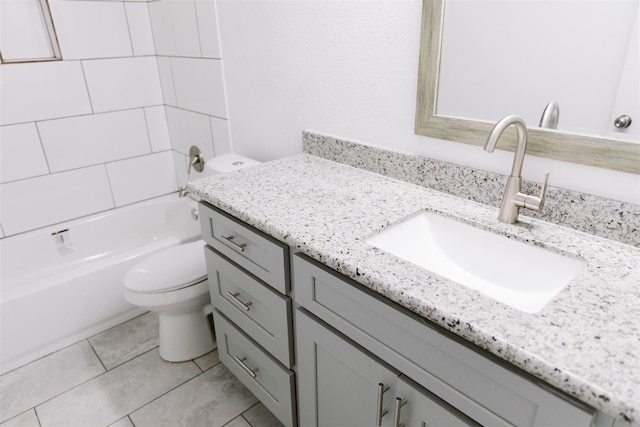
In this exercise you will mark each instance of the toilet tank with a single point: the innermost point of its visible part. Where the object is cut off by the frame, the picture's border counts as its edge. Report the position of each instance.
(223, 164)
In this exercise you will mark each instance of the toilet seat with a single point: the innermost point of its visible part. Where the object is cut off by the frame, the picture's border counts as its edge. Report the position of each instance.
(168, 270)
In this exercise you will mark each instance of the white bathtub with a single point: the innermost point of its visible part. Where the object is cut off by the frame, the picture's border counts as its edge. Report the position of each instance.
(61, 288)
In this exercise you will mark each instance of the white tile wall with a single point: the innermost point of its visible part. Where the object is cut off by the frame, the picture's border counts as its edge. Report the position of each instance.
(199, 86)
(166, 81)
(180, 162)
(117, 84)
(44, 90)
(140, 28)
(21, 154)
(37, 202)
(76, 142)
(158, 128)
(187, 128)
(175, 28)
(89, 29)
(208, 28)
(221, 136)
(142, 177)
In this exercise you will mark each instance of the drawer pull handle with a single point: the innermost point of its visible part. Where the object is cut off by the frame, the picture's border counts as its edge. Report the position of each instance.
(248, 370)
(234, 297)
(396, 418)
(381, 413)
(228, 240)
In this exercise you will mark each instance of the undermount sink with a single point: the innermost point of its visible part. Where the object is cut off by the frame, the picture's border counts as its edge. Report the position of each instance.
(522, 276)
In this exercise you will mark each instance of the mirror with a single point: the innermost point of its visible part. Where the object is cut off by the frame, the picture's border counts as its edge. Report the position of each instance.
(457, 101)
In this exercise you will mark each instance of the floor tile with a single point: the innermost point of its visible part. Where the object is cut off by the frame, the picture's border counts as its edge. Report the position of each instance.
(260, 416)
(27, 419)
(208, 361)
(113, 395)
(127, 340)
(238, 422)
(39, 381)
(124, 422)
(212, 399)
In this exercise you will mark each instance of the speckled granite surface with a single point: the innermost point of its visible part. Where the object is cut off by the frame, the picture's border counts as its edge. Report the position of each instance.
(586, 341)
(585, 212)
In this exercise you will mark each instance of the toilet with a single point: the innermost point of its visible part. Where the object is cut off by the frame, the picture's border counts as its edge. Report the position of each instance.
(173, 283)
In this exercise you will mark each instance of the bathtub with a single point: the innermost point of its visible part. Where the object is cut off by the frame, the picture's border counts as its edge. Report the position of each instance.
(64, 283)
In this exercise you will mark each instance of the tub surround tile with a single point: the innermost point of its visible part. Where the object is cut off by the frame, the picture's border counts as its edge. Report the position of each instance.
(47, 91)
(123, 83)
(76, 142)
(142, 178)
(158, 128)
(208, 28)
(199, 86)
(595, 215)
(584, 342)
(27, 419)
(88, 29)
(189, 406)
(188, 128)
(122, 390)
(175, 28)
(126, 341)
(23, 388)
(140, 28)
(221, 137)
(166, 81)
(37, 202)
(21, 154)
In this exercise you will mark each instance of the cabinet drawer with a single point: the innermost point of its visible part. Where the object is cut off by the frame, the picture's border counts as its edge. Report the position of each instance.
(259, 311)
(480, 387)
(261, 255)
(258, 371)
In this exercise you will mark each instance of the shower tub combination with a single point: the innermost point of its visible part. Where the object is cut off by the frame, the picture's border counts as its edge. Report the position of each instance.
(64, 283)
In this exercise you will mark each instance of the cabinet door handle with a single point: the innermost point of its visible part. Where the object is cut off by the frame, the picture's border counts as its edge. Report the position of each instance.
(228, 240)
(380, 412)
(234, 297)
(396, 418)
(248, 370)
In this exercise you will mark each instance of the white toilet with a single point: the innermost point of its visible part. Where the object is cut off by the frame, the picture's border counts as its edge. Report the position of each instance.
(173, 283)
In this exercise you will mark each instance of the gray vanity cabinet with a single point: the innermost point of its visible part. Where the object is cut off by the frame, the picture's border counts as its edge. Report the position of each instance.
(249, 285)
(341, 384)
(484, 389)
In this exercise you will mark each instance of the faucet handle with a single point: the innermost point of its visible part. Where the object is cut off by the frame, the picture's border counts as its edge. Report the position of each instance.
(532, 202)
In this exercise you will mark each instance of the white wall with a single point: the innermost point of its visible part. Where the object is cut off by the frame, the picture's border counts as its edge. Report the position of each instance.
(73, 131)
(349, 68)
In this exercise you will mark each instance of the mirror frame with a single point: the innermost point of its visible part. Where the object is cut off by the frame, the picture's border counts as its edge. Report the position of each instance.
(565, 146)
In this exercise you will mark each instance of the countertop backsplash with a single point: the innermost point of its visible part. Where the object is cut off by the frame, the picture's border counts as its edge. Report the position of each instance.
(591, 214)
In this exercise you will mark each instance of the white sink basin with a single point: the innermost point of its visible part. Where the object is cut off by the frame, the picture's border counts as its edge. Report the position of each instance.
(517, 274)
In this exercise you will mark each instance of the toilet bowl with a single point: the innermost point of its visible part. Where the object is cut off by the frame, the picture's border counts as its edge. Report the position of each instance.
(173, 283)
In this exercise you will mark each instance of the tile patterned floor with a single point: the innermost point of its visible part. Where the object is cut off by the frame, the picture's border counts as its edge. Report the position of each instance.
(117, 379)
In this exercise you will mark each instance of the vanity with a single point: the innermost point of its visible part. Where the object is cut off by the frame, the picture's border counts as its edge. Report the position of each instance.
(327, 329)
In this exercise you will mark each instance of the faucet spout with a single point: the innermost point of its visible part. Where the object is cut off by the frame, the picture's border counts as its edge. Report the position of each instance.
(513, 199)
(521, 146)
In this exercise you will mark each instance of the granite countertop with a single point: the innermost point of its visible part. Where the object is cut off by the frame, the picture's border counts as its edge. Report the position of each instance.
(585, 342)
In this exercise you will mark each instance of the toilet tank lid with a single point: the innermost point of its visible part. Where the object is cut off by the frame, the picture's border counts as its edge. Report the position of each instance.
(229, 163)
(168, 269)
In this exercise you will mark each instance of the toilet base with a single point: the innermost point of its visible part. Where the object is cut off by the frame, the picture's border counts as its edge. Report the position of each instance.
(185, 336)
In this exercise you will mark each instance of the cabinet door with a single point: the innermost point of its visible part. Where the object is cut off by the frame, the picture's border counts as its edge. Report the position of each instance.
(416, 406)
(338, 383)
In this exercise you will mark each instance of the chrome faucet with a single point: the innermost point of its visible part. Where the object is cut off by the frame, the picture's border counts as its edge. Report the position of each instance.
(513, 199)
(550, 116)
